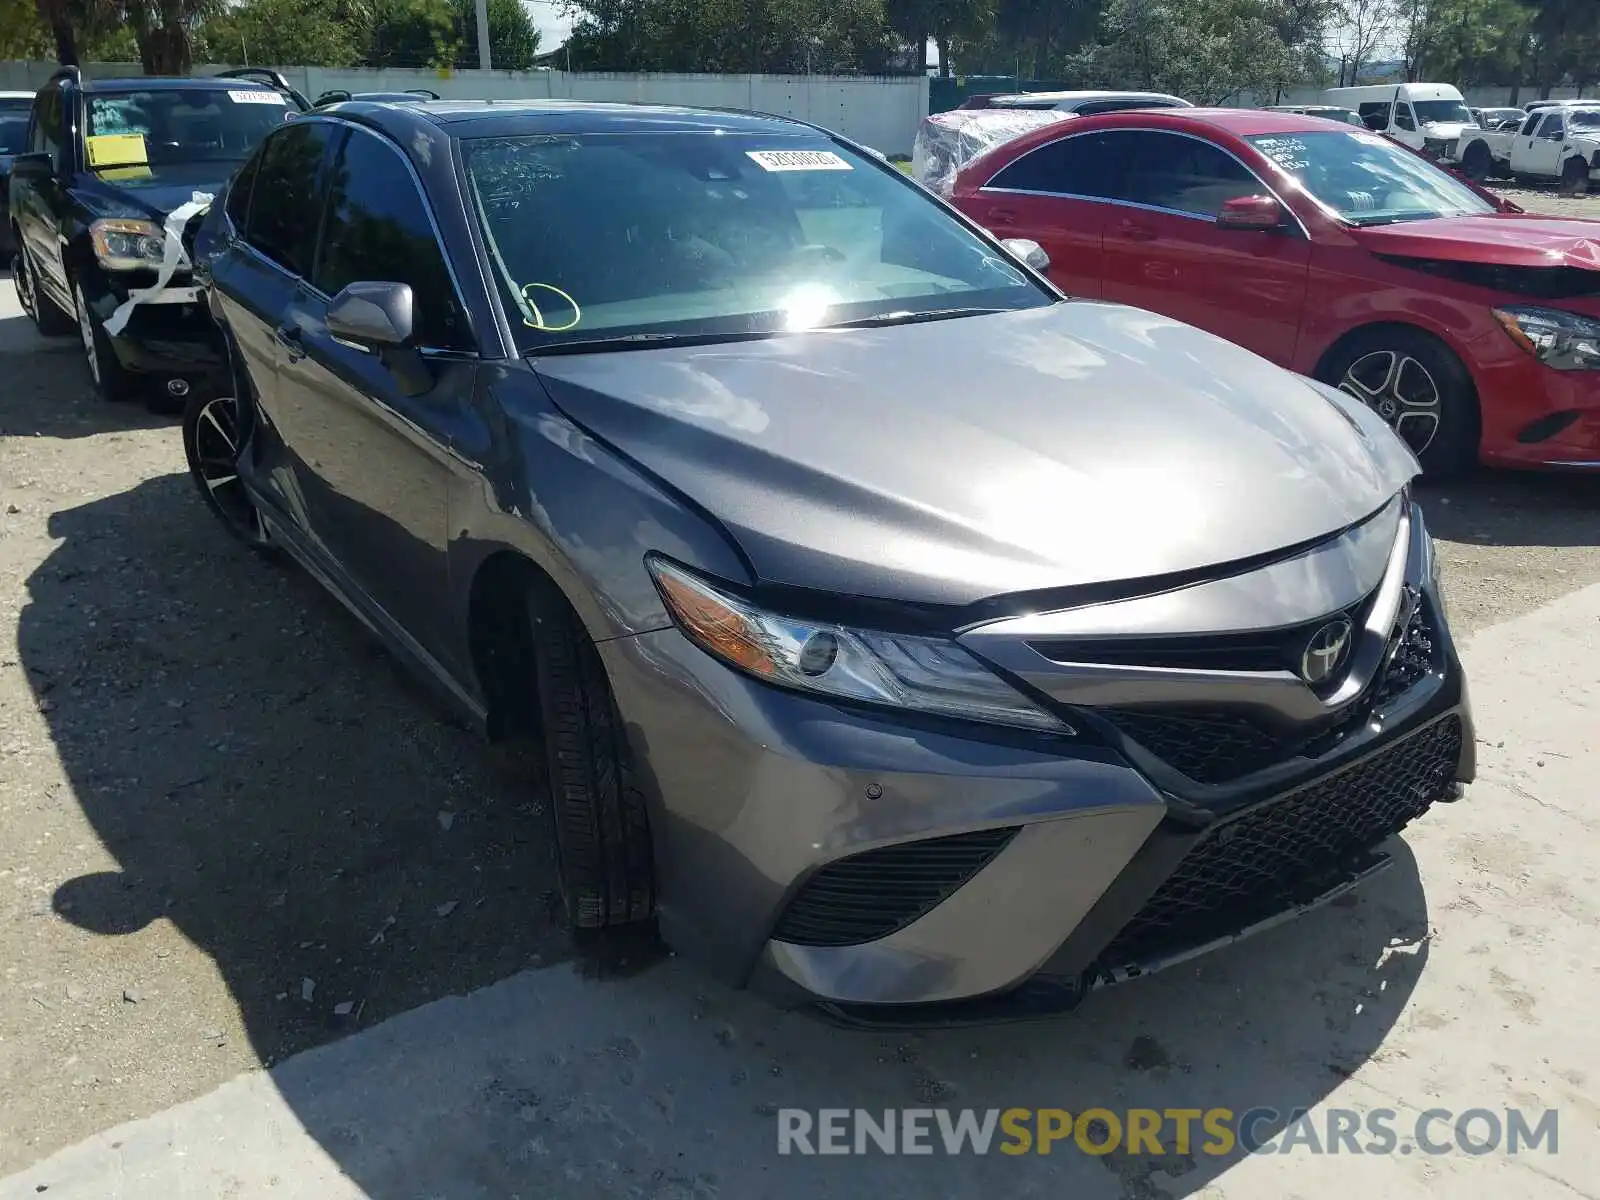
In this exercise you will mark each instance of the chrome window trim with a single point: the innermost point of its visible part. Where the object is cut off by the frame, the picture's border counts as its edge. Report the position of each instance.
(1120, 203)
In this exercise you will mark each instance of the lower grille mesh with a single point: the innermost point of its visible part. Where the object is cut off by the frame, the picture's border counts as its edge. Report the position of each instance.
(1265, 860)
(869, 895)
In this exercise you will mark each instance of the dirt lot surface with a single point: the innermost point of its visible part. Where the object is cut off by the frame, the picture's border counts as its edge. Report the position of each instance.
(227, 815)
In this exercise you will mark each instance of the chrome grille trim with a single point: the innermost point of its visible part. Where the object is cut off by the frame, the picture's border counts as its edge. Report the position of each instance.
(1007, 643)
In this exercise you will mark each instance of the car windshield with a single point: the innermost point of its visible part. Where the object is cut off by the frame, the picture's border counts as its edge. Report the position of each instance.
(1368, 180)
(616, 238)
(13, 128)
(1442, 112)
(182, 125)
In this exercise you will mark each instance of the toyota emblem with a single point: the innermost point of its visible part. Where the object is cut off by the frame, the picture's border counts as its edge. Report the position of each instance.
(1325, 652)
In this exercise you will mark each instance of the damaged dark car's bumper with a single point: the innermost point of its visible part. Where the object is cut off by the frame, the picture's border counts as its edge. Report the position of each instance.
(170, 340)
(907, 873)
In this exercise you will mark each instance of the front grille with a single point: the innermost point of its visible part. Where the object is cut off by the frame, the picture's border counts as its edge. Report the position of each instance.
(1216, 746)
(1283, 852)
(870, 895)
(1207, 745)
(1412, 658)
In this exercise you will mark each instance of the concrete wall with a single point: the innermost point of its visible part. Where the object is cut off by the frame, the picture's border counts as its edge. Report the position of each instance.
(882, 113)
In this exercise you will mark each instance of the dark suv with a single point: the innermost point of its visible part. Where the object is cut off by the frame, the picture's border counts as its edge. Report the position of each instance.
(104, 167)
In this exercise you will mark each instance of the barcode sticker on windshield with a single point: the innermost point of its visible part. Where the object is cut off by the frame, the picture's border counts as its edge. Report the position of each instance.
(798, 160)
(257, 96)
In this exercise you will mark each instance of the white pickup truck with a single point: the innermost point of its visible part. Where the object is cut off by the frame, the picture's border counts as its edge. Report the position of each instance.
(1558, 142)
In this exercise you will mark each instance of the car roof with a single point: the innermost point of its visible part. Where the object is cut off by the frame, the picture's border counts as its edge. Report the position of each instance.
(1081, 96)
(1241, 122)
(509, 118)
(186, 83)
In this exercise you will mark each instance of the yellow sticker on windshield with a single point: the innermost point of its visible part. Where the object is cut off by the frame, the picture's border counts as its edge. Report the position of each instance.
(117, 150)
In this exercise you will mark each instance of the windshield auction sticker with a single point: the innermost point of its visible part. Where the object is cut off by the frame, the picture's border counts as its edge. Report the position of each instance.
(798, 160)
(116, 150)
(257, 96)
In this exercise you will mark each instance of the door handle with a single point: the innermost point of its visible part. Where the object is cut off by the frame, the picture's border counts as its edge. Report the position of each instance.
(1134, 232)
(288, 336)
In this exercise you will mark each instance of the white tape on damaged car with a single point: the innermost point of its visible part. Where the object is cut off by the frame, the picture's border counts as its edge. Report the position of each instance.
(173, 255)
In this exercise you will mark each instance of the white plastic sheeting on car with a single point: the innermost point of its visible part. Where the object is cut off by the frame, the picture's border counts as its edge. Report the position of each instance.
(173, 256)
(948, 141)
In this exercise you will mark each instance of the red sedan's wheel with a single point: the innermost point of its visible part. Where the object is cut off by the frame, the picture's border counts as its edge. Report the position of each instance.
(1419, 388)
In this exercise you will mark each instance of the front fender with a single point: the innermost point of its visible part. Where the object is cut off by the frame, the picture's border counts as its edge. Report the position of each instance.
(578, 510)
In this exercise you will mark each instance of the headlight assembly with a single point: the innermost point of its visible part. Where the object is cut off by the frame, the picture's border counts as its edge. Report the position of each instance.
(930, 675)
(124, 245)
(1564, 340)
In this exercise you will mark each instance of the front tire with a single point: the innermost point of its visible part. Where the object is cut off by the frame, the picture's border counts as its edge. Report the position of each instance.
(111, 380)
(1420, 389)
(602, 832)
(214, 436)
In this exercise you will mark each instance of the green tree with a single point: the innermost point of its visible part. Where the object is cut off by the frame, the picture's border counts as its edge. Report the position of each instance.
(287, 33)
(737, 36)
(1207, 51)
(513, 40)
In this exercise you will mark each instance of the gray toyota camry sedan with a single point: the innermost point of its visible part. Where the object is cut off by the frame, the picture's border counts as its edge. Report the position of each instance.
(904, 636)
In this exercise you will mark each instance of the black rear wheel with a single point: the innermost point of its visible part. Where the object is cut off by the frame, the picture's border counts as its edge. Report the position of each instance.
(47, 316)
(1478, 163)
(1575, 176)
(602, 832)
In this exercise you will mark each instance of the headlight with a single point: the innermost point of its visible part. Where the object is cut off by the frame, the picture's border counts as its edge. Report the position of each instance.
(930, 675)
(1559, 339)
(128, 245)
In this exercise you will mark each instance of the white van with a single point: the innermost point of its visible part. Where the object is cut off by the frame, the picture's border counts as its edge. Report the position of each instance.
(1430, 117)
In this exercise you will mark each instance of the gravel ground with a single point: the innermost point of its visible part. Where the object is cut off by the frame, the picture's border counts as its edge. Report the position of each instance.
(233, 828)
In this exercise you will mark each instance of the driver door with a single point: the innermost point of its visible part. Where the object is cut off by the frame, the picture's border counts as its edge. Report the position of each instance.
(1543, 155)
(381, 433)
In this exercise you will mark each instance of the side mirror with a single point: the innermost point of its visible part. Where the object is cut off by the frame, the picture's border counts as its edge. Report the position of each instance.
(1259, 213)
(372, 315)
(1029, 251)
(33, 166)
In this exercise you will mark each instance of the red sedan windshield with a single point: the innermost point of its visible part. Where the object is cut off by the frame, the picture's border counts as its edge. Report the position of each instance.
(1368, 180)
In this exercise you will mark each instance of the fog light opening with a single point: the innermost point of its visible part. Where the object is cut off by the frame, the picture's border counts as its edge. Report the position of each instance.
(178, 387)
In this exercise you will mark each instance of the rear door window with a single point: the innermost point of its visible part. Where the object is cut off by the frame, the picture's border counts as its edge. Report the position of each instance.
(288, 193)
(1073, 166)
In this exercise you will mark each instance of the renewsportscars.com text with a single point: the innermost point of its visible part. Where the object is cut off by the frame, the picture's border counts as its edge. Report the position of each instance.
(1213, 1131)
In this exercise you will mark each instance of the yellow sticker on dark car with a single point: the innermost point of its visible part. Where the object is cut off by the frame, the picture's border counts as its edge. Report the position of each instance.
(116, 150)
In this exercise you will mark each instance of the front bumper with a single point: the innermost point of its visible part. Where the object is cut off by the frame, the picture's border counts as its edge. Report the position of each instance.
(1535, 417)
(169, 337)
(896, 871)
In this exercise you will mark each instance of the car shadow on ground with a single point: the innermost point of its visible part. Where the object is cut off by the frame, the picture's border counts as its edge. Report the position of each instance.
(272, 783)
(1515, 508)
(30, 404)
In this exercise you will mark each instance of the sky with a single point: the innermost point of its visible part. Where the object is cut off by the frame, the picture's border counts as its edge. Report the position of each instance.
(547, 19)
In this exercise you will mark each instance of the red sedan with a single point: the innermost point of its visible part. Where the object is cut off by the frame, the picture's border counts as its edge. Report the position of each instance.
(1331, 251)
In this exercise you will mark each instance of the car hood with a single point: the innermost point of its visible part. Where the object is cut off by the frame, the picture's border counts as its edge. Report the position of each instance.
(1450, 130)
(149, 193)
(951, 461)
(1503, 239)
